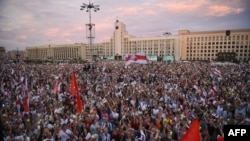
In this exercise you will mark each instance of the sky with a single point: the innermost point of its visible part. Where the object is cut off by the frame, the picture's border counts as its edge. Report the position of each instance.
(25, 23)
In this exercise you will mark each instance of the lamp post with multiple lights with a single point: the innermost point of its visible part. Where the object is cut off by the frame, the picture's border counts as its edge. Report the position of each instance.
(90, 27)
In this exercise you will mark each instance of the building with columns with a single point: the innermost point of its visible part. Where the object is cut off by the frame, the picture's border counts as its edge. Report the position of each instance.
(16, 55)
(224, 45)
(2, 52)
(57, 52)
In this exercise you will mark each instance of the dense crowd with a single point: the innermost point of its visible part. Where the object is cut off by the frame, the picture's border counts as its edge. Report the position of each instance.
(153, 102)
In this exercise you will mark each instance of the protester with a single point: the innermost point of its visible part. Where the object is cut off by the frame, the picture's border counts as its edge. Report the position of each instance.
(149, 102)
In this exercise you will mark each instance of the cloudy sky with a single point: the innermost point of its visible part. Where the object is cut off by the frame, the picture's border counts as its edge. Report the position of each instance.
(41, 22)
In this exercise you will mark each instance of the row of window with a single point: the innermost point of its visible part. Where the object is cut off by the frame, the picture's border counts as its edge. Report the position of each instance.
(151, 41)
(211, 58)
(213, 38)
(214, 54)
(209, 47)
(161, 48)
(216, 51)
(217, 43)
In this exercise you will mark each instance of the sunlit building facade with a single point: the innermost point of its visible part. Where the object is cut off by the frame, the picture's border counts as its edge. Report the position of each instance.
(2, 52)
(16, 55)
(57, 52)
(205, 45)
(122, 43)
(209, 45)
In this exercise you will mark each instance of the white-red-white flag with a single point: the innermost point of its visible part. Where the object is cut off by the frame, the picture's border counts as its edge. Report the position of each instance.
(214, 90)
(130, 58)
(141, 58)
(217, 72)
(196, 87)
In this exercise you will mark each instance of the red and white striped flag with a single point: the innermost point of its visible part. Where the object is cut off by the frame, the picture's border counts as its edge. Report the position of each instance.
(214, 90)
(196, 87)
(217, 72)
(141, 58)
(130, 58)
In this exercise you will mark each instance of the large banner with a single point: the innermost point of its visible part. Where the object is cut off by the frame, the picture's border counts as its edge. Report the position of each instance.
(168, 58)
(152, 57)
(111, 57)
(139, 58)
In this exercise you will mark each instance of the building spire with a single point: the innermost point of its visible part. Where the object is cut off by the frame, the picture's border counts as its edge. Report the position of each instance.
(117, 19)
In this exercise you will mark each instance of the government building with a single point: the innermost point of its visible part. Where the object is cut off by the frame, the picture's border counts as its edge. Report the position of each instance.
(2, 52)
(229, 45)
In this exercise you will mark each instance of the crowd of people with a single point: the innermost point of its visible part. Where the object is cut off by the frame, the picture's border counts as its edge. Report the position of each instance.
(153, 102)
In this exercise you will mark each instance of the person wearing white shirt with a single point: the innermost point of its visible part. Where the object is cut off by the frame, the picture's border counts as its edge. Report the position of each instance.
(155, 111)
(64, 133)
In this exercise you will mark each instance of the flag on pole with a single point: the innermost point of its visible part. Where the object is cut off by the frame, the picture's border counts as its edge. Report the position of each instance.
(74, 91)
(214, 90)
(193, 133)
(79, 105)
(217, 72)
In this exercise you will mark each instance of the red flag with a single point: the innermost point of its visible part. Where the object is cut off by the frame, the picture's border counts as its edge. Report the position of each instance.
(74, 91)
(26, 104)
(56, 87)
(73, 86)
(79, 105)
(193, 133)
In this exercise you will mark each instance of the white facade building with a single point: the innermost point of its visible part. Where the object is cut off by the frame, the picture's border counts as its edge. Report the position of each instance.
(204, 45)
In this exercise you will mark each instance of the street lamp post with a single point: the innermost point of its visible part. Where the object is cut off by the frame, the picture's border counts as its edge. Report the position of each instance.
(90, 26)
